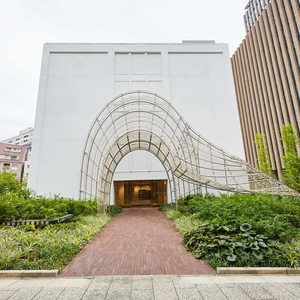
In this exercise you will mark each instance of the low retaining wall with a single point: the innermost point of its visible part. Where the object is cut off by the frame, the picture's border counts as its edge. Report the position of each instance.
(258, 271)
(29, 273)
(36, 222)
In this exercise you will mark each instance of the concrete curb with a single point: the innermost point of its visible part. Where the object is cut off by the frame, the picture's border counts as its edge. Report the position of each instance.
(258, 271)
(29, 273)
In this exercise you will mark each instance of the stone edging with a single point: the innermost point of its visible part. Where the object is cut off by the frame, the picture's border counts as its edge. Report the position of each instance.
(220, 271)
(29, 273)
(258, 271)
(36, 222)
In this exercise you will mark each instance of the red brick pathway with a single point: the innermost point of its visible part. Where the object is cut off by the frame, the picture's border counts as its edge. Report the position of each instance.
(139, 241)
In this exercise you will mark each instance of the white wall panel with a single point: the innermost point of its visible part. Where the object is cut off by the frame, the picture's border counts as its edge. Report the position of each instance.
(154, 63)
(138, 63)
(121, 87)
(122, 63)
(155, 86)
(138, 85)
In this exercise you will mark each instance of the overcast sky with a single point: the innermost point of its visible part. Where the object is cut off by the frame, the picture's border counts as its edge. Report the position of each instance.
(25, 25)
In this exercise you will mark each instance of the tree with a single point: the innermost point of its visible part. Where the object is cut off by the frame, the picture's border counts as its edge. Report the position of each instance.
(290, 159)
(10, 184)
(263, 154)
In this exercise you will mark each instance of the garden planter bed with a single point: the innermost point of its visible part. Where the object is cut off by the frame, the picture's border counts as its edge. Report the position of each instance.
(241, 231)
(46, 247)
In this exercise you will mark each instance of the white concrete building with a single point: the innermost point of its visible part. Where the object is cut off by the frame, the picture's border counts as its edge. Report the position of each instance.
(24, 138)
(78, 80)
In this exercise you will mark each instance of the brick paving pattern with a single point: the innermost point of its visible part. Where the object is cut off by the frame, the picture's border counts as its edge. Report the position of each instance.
(139, 241)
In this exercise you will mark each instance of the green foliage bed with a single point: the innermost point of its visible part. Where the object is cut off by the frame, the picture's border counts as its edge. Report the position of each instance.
(51, 247)
(13, 207)
(44, 247)
(17, 202)
(240, 230)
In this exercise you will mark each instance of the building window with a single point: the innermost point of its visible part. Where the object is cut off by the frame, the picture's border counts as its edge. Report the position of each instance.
(14, 166)
(7, 149)
(13, 157)
(6, 166)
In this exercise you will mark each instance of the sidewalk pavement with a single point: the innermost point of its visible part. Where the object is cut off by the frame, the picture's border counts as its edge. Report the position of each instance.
(153, 287)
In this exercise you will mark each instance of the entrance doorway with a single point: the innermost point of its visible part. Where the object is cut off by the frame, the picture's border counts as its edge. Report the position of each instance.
(140, 193)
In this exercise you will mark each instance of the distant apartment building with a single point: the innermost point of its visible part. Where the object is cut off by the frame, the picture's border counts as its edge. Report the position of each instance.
(266, 69)
(12, 159)
(24, 138)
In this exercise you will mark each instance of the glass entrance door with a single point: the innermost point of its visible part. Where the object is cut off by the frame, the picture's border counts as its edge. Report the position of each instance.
(140, 193)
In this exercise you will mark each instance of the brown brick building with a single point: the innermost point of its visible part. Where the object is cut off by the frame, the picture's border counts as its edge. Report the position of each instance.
(266, 74)
(12, 159)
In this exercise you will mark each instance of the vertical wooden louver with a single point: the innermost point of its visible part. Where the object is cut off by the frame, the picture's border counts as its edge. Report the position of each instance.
(266, 71)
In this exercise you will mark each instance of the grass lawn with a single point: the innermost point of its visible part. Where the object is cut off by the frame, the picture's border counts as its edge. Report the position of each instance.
(242, 230)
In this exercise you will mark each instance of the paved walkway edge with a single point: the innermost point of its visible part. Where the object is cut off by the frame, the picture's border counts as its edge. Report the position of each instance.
(29, 273)
(220, 271)
(230, 287)
(258, 271)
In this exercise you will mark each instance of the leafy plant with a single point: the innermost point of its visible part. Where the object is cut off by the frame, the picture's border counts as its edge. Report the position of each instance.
(240, 229)
(263, 154)
(18, 202)
(173, 214)
(14, 207)
(51, 247)
(245, 227)
(9, 184)
(115, 209)
(164, 207)
(231, 246)
(290, 158)
(291, 251)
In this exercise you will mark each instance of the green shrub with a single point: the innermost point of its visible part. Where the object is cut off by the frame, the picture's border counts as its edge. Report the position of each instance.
(211, 229)
(15, 207)
(9, 184)
(291, 251)
(173, 214)
(186, 224)
(222, 245)
(17, 202)
(290, 159)
(115, 209)
(164, 207)
(268, 214)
